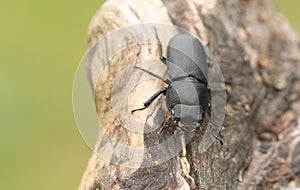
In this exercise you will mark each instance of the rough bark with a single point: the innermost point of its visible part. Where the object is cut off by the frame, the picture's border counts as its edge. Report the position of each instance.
(258, 53)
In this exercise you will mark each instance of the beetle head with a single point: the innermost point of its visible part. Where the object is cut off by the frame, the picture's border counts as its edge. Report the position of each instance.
(188, 118)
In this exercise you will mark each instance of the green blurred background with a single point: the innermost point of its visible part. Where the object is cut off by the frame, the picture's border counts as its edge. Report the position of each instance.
(41, 44)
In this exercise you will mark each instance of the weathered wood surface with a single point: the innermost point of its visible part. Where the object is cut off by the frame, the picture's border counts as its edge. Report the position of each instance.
(258, 53)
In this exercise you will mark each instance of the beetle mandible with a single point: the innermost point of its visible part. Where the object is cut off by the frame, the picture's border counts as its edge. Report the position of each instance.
(187, 93)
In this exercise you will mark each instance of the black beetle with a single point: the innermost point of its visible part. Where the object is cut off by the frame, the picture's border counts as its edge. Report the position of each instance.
(187, 93)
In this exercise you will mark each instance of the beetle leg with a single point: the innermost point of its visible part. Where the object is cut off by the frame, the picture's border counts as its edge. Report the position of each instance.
(216, 136)
(151, 99)
(155, 75)
(209, 57)
(161, 57)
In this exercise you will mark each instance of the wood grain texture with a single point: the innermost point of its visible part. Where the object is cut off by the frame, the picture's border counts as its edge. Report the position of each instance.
(259, 55)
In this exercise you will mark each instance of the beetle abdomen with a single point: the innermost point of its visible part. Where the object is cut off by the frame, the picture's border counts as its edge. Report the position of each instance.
(186, 57)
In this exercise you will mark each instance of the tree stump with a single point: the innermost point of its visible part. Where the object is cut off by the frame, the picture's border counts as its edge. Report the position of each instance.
(259, 56)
